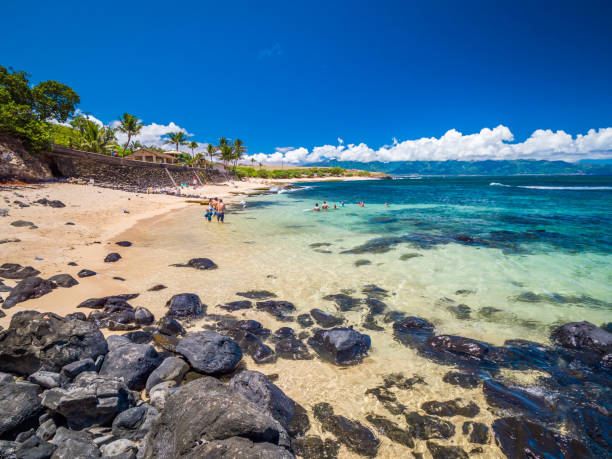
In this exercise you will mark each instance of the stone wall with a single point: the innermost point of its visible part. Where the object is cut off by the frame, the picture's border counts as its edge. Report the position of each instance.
(122, 173)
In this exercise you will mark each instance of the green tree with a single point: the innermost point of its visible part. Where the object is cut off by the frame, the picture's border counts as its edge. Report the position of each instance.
(193, 145)
(176, 139)
(238, 151)
(93, 137)
(129, 125)
(212, 152)
(227, 154)
(25, 111)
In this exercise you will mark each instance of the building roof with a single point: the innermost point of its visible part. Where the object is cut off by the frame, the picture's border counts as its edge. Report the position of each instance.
(151, 153)
(174, 152)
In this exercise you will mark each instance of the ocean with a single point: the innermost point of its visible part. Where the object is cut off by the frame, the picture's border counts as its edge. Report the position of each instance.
(496, 259)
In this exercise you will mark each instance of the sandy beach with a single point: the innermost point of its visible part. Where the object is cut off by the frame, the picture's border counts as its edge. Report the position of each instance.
(82, 232)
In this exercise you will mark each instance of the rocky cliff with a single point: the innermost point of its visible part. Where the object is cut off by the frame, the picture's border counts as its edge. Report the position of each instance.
(17, 164)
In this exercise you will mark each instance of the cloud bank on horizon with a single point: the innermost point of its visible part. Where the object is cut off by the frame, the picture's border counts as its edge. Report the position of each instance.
(493, 144)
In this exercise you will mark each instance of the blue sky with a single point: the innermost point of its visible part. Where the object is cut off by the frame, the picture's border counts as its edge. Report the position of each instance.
(306, 74)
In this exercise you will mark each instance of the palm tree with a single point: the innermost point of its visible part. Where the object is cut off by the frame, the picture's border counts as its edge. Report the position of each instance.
(239, 151)
(93, 137)
(176, 139)
(193, 145)
(252, 161)
(198, 158)
(130, 125)
(227, 154)
(260, 165)
(212, 152)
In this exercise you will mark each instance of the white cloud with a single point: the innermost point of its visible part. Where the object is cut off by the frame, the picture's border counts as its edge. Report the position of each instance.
(152, 134)
(496, 143)
(340, 141)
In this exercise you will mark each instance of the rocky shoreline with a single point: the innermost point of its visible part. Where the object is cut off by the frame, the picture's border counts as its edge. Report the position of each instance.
(68, 391)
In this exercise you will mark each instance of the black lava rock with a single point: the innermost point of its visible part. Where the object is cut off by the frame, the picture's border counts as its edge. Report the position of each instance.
(341, 346)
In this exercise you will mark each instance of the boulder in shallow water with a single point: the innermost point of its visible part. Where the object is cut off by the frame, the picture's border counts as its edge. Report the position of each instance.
(313, 447)
(518, 400)
(45, 341)
(341, 346)
(257, 294)
(198, 263)
(228, 416)
(28, 288)
(354, 435)
(376, 306)
(185, 305)
(391, 430)
(439, 451)
(477, 431)
(209, 352)
(457, 407)
(464, 380)
(343, 301)
(426, 427)
(91, 400)
(325, 319)
(236, 305)
(583, 336)
(305, 320)
(279, 309)
(520, 437)
(292, 349)
(458, 350)
(124, 243)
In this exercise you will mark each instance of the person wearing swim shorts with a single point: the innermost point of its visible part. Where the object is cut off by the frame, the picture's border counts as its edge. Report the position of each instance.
(220, 211)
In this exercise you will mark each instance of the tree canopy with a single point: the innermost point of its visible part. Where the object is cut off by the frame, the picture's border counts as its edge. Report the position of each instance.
(25, 110)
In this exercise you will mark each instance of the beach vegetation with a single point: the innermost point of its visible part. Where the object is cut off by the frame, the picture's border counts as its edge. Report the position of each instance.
(92, 136)
(26, 111)
(211, 151)
(129, 125)
(177, 139)
(298, 172)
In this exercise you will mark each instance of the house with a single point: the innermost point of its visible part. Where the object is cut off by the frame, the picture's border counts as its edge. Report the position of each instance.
(151, 156)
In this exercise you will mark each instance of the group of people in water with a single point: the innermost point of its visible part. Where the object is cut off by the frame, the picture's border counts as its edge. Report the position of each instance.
(325, 206)
(216, 208)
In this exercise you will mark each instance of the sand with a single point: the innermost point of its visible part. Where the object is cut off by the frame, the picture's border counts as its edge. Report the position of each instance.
(97, 216)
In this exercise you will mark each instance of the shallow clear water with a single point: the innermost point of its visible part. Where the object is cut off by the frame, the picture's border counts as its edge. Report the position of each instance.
(541, 256)
(521, 259)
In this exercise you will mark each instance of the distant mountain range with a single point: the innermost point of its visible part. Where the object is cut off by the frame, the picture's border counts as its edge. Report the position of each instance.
(489, 167)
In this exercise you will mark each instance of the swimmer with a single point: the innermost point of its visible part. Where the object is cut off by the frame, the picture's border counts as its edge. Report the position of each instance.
(316, 208)
(325, 206)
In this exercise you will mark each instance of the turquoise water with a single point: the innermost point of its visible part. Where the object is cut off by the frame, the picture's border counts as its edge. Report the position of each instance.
(479, 257)
(536, 249)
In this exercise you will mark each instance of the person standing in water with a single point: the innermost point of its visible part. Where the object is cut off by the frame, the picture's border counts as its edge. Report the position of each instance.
(220, 211)
(325, 206)
(316, 208)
